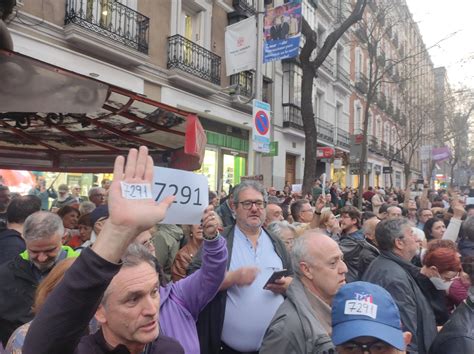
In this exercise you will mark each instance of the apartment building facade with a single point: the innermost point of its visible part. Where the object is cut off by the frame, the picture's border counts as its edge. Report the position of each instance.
(172, 51)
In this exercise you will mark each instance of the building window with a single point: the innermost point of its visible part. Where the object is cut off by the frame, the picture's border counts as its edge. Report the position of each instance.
(292, 76)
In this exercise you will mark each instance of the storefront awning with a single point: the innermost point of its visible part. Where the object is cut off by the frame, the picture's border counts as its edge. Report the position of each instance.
(52, 119)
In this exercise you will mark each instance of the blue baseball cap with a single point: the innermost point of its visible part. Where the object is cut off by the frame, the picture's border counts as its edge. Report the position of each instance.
(362, 309)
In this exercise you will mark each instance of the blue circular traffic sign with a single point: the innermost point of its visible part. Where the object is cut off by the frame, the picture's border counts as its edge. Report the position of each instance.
(262, 123)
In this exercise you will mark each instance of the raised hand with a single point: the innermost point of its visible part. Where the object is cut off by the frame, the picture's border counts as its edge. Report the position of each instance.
(129, 217)
(135, 214)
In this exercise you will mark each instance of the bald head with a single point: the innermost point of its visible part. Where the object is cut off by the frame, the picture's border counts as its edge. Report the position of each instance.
(274, 213)
(369, 229)
(318, 263)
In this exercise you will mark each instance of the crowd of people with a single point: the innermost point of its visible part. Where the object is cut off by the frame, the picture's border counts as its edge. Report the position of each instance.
(265, 271)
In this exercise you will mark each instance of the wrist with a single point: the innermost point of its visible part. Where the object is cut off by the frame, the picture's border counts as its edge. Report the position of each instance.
(211, 237)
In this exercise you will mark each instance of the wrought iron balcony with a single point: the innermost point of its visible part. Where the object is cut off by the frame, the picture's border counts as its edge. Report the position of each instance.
(384, 148)
(373, 143)
(193, 59)
(110, 19)
(244, 83)
(292, 116)
(343, 138)
(361, 83)
(247, 6)
(328, 65)
(343, 76)
(325, 130)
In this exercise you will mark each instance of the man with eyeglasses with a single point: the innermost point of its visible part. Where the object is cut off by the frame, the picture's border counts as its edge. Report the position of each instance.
(393, 271)
(302, 211)
(236, 319)
(98, 196)
(365, 319)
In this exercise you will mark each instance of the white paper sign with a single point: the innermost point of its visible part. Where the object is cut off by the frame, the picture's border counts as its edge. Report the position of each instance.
(296, 188)
(136, 190)
(191, 191)
(360, 308)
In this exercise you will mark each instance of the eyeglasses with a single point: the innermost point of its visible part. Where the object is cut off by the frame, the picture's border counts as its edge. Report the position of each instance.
(98, 195)
(248, 204)
(376, 347)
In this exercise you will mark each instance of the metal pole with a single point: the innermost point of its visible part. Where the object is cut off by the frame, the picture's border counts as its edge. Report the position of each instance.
(259, 74)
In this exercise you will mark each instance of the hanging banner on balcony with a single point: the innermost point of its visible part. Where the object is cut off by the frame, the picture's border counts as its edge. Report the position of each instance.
(261, 126)
(241, 46)
(282, 32)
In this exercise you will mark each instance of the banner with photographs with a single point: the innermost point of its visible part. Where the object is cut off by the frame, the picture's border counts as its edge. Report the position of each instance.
(282, 32)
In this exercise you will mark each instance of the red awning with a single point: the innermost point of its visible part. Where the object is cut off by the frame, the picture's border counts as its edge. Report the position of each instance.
(52, 119)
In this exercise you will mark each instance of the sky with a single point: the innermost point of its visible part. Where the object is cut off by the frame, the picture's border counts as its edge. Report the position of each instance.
(453, 20)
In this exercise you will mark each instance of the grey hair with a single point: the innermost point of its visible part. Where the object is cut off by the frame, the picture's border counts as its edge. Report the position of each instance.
(467, 228)
(135, 255)
(86, 207)
(276, 227)
(94, 189)
(246, 185)
(42, 225)
(300, 251)
(387, 231)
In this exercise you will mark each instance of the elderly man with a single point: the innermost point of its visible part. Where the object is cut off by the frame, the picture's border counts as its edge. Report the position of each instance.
(394, 212)
(301, 211)
(64, 198)
(393, 271)
(116, 282)
(98, 196)
(19, 277)
(274, 213)
(302, 324)
(236, 319)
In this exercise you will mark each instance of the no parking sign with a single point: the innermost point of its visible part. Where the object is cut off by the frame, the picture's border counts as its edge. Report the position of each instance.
(261, 126)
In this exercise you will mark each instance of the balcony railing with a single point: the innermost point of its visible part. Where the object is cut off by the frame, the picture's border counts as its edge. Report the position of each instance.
(244, 82)
(292, 116)
(343, 138)
(343, 76)
(373, 143)
(110, 19)
(325, 130)
(328, 65)
(191, 58)
(383, 148)
(248, 6)
(361, 83)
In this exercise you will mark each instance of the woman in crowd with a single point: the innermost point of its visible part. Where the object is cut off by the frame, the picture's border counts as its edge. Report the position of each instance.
(434, 229)
(194, 235)
(70, 216)
(85, 226)
(329, 225)
(441, 265)
(285, 231)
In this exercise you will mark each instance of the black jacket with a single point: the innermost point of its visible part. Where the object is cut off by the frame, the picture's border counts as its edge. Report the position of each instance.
(17, 291)
(11, 245)
(356, 251)
(60, 327)
(398, 277)
(457, 335)
(225, 214)
(211, 318)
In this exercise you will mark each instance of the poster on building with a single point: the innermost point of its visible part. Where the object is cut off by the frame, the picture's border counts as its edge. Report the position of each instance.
(241, 46)
(440, 154)
(282, 32)
(261, 126)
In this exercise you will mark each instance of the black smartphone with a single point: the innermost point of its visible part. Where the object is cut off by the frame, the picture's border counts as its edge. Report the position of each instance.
(276, 275)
